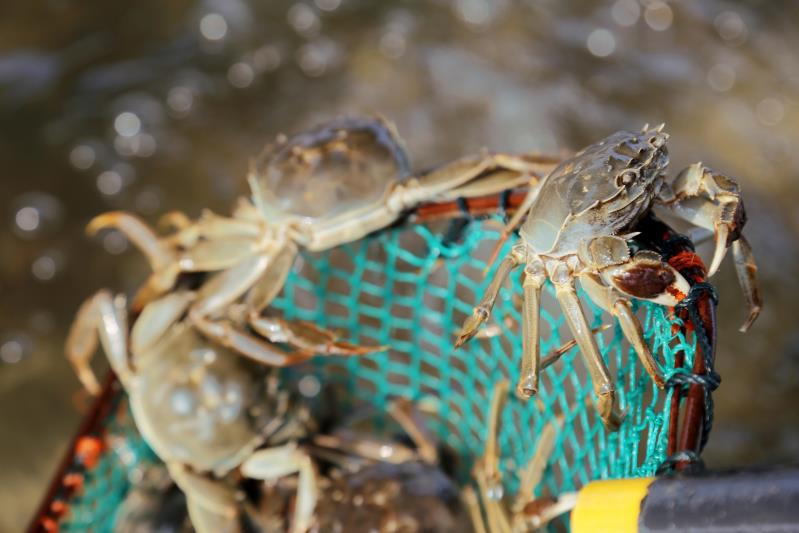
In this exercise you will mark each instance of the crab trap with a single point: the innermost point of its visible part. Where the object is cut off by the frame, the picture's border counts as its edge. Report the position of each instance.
(409, 288)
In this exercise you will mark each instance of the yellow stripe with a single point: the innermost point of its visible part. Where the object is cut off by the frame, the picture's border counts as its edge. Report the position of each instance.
(609, 506)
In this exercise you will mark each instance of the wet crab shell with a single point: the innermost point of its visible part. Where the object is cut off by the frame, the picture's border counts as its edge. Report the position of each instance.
(411, 497)
(602, 190)
(345, 164)
(192, 401)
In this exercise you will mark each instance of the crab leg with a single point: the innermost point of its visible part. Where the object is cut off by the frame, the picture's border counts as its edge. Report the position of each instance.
(534, 471)
(453, 175)
(217, 254)
(228, 286)
(261, 274)
(619, 306)
(155, 286)
(530, 513)
(174, 221)
(600, 376)
(441, 183)
(160, 256)
(746, 269)
(272, 280)
(410, 420)
(336, 447)
(486, 468)
(273, 463)
(483, 309)
(156, 319)
(212, 505)
(534, 277)
(473, 506)
(513, 223)
(104, 317)
(82, 343)
(139, 233)
(250, 346)
(631, 327)
(212, 226)
(305, 336)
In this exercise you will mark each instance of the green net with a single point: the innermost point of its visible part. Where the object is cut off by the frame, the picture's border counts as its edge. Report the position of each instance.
(409, 288)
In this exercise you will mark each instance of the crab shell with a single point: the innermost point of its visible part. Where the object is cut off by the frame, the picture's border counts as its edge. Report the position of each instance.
(192, 399)
(602, 190)
(409, 497)
(332, 170)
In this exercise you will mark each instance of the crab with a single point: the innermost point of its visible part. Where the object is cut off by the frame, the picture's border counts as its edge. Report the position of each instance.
(316, 190)
(349, 481)
(377, 483)
(579, 220)
(207, 412)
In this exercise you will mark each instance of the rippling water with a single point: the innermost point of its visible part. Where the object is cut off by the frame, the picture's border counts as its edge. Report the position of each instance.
(151, 106)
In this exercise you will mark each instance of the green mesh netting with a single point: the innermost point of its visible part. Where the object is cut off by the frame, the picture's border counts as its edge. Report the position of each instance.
(408, 288)
(105, 486)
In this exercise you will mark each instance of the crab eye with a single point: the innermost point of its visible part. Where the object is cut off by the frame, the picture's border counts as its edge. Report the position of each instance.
(625, 178)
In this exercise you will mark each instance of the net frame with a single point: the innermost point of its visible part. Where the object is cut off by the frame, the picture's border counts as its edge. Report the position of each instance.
(616, 457)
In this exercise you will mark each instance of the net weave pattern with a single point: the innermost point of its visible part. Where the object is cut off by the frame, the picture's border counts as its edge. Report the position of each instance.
(409, 288)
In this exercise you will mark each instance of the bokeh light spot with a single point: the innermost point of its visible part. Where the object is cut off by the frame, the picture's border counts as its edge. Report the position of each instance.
(303, 19)
(240, 75)
(475, 13)
(115, 243)
(127, 124)
(82, 157)
(731, 27)
(721, 77)
(11, 352)
(27, 218)
(392, 44)
(213, 27)
(267, 58)
(658, 15)
(109, 183)
(44, 268)
(180, 100)
(327, 5)
(601, 42)
(770, 111)
(626, 12)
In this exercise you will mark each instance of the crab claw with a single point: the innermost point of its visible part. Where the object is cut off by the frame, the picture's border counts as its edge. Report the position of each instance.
(647, 277)
(722, 234)
(712, 201)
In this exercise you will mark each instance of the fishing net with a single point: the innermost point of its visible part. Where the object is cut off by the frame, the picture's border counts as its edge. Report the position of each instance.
(410, 288)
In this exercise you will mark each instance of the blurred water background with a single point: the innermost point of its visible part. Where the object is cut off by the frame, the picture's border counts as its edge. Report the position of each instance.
(150, 106)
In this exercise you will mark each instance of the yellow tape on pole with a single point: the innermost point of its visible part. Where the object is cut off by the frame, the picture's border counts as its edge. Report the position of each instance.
(609, 506)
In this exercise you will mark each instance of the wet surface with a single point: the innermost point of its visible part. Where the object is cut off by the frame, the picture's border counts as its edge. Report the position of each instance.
(150, 107)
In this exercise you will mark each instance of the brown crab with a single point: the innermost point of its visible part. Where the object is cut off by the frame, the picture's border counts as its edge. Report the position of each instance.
(578, 222)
